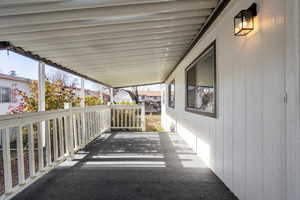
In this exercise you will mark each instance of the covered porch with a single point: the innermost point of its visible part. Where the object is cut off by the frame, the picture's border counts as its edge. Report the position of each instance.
(130, 166)
(230, 100)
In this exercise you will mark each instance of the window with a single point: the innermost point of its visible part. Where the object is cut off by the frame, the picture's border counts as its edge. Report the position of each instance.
(171, 93)
(5, 95)
(201, 83)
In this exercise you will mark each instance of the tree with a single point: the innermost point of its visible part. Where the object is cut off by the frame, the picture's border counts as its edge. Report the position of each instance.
(57, 93)
(135, 91)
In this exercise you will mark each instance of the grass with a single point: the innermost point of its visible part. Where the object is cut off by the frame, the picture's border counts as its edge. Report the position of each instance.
(153, 123)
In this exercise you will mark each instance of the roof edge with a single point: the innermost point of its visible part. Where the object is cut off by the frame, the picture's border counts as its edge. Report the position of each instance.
(154, 83)
(5, 45)
(218, 10)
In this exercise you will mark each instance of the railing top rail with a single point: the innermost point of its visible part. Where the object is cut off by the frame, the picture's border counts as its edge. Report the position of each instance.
(7, 121)
(125, 106)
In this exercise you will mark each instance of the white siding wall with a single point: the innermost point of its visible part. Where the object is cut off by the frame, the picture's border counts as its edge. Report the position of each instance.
(246, 145)
(293, 107)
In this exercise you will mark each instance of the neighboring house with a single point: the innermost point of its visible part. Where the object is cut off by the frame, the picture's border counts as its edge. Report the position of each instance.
(149, 96)
(152, 100)
(124, 96)
(8, 95)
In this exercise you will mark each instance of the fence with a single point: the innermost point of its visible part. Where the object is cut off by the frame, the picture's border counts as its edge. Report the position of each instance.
(128, 117)
(45, 139)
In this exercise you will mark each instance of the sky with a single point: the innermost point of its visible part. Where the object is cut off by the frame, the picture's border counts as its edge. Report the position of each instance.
(28, 68)
(24, 67)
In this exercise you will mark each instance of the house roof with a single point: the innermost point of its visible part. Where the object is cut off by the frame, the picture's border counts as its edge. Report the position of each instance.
(112, 41)
(15, 78)
(150, 93)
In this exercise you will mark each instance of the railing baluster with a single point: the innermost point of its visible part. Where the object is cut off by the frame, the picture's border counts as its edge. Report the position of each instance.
(97, 123)
(66, 131)
(70, 135)
(121, 117)
(87, 127)
(91, 124)
(83, 130)
(118, 116)
(100, 122)
(94, 123)
(125, 118)
(6, 160)
(79, 132)
(100, 117)
(20, 155)
(114, 117)
(31, 151)
(48, 143)
(61, 137)
(133, 117)
(55, 143)
(75, 130)
(40, 146)
(143, 119)
(78, 119)
(138, 118)
(129, 118)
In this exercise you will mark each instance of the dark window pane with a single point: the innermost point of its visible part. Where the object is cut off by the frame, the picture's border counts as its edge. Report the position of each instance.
(5, 95)
(171, 91)
(201, 91)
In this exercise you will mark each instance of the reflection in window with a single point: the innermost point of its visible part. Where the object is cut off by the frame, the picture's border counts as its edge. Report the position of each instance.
(201, 84)
(171, 92)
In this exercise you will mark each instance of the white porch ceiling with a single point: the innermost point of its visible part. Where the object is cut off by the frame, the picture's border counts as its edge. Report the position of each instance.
(118, 42)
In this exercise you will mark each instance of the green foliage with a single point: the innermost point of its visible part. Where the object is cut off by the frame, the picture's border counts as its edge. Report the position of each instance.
(92, 101)
(127, 103)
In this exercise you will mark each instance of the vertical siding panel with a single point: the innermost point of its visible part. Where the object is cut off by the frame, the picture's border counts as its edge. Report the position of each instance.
(228, 107)
(254, 119)
(274, 108)
(239, 139)
(293, 104)
(219, 160)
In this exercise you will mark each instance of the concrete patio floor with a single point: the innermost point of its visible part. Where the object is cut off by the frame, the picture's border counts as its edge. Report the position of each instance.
(131, 166)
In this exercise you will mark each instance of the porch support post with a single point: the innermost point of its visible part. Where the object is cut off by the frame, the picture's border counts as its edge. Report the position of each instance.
(83, 121)
(143, 119)
(69, 131)
(42, 94)
(111, 95)
(82, 94)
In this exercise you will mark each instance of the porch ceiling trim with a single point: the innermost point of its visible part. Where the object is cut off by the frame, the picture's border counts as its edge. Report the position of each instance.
(221, 6)
(21, 51)
(138, 35)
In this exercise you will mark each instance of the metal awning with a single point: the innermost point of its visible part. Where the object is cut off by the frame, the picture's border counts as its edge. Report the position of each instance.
(118, 42)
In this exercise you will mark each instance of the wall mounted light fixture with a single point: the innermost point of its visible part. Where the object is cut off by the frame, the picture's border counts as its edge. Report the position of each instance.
(244, 21)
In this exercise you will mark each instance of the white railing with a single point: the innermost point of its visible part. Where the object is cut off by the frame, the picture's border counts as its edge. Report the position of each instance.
(44, 139)
(128, 117)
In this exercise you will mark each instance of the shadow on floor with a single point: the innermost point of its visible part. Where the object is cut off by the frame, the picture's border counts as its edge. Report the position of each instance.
(131, 166)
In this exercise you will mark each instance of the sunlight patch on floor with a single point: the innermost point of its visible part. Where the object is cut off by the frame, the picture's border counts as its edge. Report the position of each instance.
(132, 155)
(125, 164)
